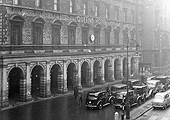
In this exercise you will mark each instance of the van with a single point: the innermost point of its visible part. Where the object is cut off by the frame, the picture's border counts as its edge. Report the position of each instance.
(161, 100)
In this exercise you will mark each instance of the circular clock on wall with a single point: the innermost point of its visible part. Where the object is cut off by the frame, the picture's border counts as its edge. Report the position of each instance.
(92, 38)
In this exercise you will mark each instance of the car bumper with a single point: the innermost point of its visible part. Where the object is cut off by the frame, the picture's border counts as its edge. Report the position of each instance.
(158, 105)
(91, 106)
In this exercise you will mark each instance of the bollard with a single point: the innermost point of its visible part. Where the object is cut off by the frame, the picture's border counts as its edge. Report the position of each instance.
(116, 116)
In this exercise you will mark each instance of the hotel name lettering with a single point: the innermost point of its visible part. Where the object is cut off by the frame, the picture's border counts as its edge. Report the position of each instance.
(80, 19)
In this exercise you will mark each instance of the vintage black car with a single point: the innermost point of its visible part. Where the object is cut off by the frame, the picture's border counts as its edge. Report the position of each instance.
(98, 99)
(121, 96)
(117, 87)
(143, 91)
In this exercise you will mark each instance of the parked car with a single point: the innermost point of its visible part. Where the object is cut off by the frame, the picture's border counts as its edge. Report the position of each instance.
(116, 87)
(121, 96)
(162, 100)
(156, 85)
(165, 81)
(98, 99)
(143, 91)
(132, 82)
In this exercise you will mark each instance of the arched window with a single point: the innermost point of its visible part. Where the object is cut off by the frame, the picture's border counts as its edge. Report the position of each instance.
(72, 33)
(97, 30)
(116, 35)
(107, 35)
(38, 25)
(16, 30)
(125, 36)
(85, 34)
(56, 27)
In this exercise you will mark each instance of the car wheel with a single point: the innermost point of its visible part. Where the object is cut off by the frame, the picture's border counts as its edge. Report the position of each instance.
(100, 106)
(111, 101)
(139, 102)
(165, 106)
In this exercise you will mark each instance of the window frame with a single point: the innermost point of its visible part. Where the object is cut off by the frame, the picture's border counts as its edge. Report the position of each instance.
(96, 9)
(38, 3)
(85, 6)
(57, 5)
(85, 38)
(54, 34)
(71, 41)
(72, 6)
(125, 14)
(107, 32)
(116, 13)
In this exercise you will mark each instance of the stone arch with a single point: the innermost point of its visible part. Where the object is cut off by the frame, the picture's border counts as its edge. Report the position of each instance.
(56, 77)
(132, 67)
(73, 24)
(17, 85)
(125, 67)
(85, 74)
(38, 20)
(57, 22)
(71, 76)
(17, 18)
(86, 25)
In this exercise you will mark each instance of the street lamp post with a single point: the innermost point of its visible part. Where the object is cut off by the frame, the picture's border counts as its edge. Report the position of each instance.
(127, 82)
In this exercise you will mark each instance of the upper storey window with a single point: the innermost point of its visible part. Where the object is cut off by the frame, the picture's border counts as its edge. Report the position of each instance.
(125, 14)
(38, 3)
(17, 2)
(107, 12)
(84, 8)
(96, 10)
(57, 5)
(72, 5)
(133, 16)
(16, 30)
(116, 13)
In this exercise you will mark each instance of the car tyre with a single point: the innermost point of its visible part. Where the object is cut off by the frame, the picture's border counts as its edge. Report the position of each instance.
(100, 106)
(139, 102)
(111, 101)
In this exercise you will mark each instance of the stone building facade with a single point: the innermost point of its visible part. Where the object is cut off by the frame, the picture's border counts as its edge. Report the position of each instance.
(48, 47)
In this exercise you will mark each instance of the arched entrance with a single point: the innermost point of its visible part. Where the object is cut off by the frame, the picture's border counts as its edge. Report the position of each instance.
(117, 69)
(16, 80)
(125, 67)
(55, 75)
(37, 82)
(71, 76)
(107, 71)
(85, 74)
(96, 72)
(133, 66)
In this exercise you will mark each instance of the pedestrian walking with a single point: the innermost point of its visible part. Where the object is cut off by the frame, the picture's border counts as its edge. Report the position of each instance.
(75, 91)
(80, 97)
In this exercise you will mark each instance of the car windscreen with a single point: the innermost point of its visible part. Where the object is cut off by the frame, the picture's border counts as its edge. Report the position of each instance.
(117, 88)
(150, 84)
(158, 97)
(92, 97)
(120, 95)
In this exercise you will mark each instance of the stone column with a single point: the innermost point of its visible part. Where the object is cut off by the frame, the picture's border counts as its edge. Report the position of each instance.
(65, 90)
(102, 72)
(28, 83)
(91, 73)
(48, 91)
(5, 102)
(113, 77)
(121, 69)
(79, 74)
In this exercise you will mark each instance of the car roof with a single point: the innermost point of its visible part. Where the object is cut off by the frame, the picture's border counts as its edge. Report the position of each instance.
(133, 80)
(119, 85)
(153, 81)
(161, 76)
(161, 93)
(139, 86)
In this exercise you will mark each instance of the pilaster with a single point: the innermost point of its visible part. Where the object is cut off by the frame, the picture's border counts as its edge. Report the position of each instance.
(28, 83)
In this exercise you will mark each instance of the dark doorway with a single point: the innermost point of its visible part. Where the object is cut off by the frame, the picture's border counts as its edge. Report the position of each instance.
(71, 76)
(55, 75)
(14, 79)
(36, 76)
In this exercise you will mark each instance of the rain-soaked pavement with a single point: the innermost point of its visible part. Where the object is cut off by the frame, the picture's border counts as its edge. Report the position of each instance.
(61, 108)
